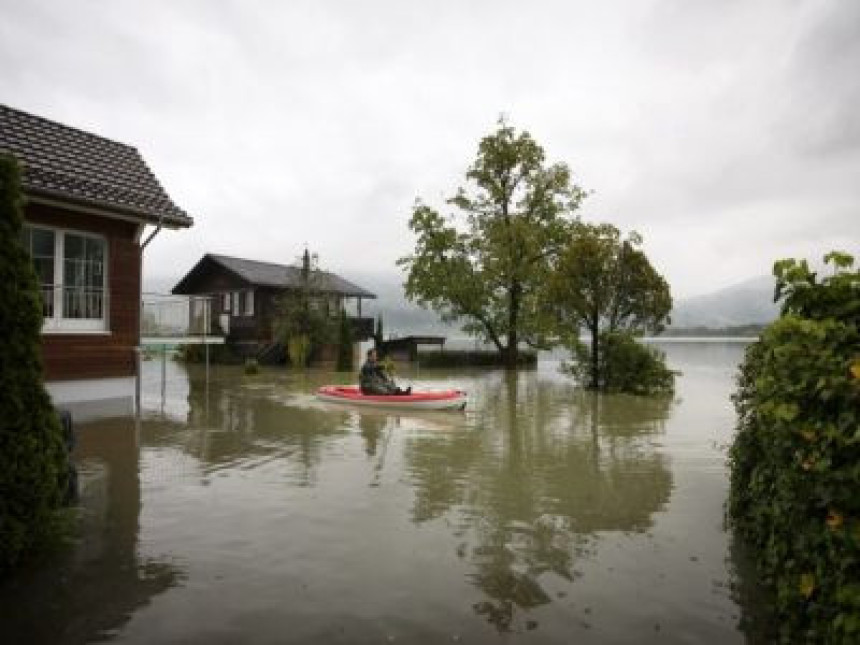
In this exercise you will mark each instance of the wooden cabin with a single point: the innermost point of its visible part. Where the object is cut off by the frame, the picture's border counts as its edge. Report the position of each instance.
(247, 294)
(88, 201)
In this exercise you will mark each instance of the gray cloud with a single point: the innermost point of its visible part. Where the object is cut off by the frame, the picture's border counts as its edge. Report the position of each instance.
(726, 133)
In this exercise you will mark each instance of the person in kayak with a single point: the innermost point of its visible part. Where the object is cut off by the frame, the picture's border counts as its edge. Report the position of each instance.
(373, 380)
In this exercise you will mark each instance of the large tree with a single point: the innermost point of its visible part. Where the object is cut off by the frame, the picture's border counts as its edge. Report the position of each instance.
(604, 283)
(486, 262)
(33, 459)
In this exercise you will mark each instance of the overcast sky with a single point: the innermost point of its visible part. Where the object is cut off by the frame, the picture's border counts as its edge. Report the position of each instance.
(727, 133)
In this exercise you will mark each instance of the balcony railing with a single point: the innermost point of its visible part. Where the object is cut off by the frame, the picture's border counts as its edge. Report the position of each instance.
(167, 316)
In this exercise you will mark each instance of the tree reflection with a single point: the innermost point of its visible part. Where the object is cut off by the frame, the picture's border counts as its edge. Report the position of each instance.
(546, 468)
(93, 588)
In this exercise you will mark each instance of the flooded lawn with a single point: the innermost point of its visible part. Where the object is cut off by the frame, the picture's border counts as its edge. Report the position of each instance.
(247, 512)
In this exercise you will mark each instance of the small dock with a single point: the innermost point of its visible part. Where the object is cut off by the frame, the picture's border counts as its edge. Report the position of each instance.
(407, 347)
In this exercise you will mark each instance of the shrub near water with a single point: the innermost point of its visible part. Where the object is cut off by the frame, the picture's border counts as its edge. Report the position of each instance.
(795, 462)
(33, 466)
(625, 365)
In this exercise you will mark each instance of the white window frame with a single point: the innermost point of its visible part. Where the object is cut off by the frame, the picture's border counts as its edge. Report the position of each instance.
(57, 324)
(248, 310)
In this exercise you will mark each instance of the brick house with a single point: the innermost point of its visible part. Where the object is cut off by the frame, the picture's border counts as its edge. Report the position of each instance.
(88, 201)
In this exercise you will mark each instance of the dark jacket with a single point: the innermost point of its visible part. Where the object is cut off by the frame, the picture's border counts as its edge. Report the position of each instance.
(373, 380)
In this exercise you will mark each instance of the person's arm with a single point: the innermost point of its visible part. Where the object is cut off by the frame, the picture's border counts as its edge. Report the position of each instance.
(382, 374)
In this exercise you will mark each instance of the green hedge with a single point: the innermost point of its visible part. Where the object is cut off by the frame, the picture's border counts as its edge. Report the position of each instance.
(795, 461)
(473, 358)
(33, 456)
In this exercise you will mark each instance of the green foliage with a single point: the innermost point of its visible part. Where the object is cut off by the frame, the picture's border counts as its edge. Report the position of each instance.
(388, 366)
(299, 350)
(625, 366)
(301, 318)
(252, 367)
(605, 283)
(218, 354)
(33, 459)
(485, 265)
(795, 461)
(344, 344)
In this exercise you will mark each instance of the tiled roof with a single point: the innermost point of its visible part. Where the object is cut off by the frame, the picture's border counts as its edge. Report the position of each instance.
(268, 274)
(67, 164)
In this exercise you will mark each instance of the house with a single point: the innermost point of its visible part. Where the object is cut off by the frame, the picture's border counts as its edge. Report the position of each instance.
(88, 202)
(246, 296)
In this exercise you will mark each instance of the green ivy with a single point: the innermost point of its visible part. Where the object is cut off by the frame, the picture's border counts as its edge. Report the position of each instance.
(795, 461)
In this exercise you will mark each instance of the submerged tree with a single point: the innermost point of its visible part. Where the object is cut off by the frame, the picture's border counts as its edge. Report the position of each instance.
(33, 461)
(486, 264)
(379, 334)
(344, 344)
(604, 284)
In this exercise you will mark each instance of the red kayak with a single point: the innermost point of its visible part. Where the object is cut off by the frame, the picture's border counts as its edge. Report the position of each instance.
(429, 400)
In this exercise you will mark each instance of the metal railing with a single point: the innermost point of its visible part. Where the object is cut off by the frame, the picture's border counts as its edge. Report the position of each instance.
(168, 316)
(73, 302)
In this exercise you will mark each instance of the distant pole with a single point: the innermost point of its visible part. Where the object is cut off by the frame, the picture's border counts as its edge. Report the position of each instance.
(163, 374)
(205, 334)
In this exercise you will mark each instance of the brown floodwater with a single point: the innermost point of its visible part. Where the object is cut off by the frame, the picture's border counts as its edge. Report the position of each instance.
(245, 511)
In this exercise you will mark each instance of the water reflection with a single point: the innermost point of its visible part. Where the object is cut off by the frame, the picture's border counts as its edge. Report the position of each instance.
(545, 469)
(91, 591)
(241, 422)
(248, 511)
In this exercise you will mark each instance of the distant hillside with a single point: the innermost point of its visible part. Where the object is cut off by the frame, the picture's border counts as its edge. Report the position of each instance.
(399, 316)
(749, 302)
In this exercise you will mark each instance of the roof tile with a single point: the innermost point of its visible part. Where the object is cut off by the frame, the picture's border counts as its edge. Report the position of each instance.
(69, 164)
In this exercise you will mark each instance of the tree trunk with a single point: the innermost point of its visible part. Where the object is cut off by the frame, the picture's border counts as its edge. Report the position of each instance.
(595, 358)
(513, 337)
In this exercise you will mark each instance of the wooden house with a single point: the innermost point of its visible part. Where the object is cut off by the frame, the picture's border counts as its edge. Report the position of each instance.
(88, 201)
(246, 296)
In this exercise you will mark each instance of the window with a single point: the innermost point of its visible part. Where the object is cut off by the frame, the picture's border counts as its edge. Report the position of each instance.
(225, 304)
(41, 244)
(71, 271)
(236, 309)
(249, 303)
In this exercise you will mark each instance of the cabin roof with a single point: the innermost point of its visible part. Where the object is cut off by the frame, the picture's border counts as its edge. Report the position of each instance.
(68, 165)
(268, 274)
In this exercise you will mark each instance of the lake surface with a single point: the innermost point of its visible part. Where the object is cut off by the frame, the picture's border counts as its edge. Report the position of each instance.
(244, 511)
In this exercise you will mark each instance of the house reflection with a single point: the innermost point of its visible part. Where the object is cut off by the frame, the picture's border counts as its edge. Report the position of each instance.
(232, 422)
(90, 590)
(545, 469)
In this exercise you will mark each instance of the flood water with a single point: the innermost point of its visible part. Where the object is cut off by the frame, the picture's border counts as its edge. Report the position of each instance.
(247, 512)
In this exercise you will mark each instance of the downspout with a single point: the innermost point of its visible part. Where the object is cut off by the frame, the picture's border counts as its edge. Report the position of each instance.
(139, 348)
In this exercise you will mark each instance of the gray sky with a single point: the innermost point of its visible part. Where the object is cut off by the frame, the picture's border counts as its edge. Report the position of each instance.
(727, 133)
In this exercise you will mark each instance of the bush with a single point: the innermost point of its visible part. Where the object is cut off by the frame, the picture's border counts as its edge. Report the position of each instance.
(251, 367)
(624, 365)
(33, 460)
(218, 354)
(795, 461)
